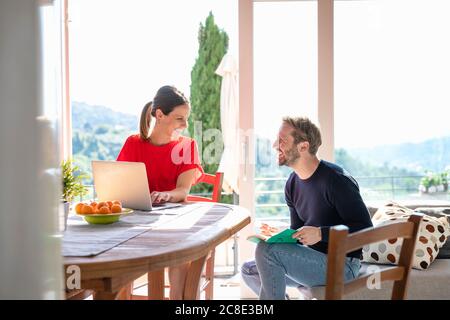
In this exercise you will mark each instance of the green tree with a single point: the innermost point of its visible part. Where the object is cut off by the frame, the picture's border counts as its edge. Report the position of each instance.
(205, 84)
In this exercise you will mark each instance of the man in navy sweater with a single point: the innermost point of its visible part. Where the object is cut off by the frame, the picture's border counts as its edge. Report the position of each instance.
(319, 195)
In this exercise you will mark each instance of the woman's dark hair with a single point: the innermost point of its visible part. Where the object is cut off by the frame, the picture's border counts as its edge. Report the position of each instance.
(166, 99)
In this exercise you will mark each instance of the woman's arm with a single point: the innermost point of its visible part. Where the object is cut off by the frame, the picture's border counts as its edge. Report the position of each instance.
(179, 194)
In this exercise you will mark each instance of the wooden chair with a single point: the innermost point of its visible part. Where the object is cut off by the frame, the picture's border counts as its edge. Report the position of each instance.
(340, 243)
(216, 181)
(157, 278)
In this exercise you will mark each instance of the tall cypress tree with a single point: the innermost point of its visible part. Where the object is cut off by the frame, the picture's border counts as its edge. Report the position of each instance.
(205, 84)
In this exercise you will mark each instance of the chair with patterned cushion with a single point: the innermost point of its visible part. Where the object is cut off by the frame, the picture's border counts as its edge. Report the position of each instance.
(341, 242)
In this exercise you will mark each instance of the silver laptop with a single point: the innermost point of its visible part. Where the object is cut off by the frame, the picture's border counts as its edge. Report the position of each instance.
(127, 182)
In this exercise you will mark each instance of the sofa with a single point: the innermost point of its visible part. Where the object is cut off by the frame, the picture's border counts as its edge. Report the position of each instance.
(430, 284)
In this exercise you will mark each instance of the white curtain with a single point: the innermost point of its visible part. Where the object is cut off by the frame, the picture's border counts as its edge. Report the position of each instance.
(229, 115)
(30, 254)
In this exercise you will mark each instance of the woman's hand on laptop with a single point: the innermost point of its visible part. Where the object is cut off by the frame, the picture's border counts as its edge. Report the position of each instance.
(160, 197)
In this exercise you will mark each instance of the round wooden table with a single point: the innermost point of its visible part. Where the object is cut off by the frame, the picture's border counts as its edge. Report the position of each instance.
(188, 238)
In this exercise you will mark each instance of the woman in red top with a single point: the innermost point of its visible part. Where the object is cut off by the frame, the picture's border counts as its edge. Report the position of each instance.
(171, 160)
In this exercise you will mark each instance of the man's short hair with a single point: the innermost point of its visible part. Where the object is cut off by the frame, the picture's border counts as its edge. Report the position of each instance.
(305, 130)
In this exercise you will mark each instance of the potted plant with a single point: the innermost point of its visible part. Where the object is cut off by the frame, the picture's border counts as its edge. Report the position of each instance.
(72, 183)
(435, 184)
(425, 183)
(444, 179)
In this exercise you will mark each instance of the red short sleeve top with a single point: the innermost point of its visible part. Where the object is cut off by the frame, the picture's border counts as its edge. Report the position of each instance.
(163, 163)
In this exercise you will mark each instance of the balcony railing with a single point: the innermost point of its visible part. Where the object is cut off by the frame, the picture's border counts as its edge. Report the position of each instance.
(270, 204)
(371, 188)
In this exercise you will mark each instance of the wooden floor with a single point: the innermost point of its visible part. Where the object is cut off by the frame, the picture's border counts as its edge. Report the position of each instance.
(226, 287)
(223, 290)
(220, 292)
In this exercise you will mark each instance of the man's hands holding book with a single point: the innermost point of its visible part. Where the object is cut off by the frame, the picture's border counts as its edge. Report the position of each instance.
(308, 235)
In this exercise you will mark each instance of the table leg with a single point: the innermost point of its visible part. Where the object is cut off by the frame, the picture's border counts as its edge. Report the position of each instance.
(123, 294)
(156, 285)
(103, 295)
(209, 276)
(126, 292)
(191, 288)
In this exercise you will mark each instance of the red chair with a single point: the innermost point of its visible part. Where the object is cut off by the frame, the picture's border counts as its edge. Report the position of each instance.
(215, 180)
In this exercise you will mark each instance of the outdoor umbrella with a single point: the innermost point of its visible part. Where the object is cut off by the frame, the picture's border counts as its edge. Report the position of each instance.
(229, 115)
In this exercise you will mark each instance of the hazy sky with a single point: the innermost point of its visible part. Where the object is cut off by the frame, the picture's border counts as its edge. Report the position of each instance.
(392, 71)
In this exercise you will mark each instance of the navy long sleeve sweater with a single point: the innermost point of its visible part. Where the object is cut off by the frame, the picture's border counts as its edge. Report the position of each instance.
(329, 197)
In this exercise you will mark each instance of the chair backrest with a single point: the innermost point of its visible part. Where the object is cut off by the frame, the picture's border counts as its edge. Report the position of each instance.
(341, 242)
(215, 180)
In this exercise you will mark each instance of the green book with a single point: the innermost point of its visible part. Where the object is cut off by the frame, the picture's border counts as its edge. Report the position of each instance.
(284, 236)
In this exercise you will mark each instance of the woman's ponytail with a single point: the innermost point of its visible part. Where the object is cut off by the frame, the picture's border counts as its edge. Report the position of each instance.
(144, 124)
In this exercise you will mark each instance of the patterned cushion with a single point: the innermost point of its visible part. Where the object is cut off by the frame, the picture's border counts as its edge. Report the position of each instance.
(439, 212)
(433, 233)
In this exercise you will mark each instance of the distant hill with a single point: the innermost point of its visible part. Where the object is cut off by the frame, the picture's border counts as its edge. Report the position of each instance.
(357, 164)
(98, 134)
(84, 114)
(432, 154)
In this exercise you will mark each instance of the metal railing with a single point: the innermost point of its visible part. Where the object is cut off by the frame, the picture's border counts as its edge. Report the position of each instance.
(392, 187)
(371, 188)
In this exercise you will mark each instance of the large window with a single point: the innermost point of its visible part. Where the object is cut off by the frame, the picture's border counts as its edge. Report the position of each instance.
(391, 96)
(285, 81)
(121, 52)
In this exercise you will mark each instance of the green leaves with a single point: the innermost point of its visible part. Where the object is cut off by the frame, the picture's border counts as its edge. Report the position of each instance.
(72, 181)
(434, 179)
(205, 85)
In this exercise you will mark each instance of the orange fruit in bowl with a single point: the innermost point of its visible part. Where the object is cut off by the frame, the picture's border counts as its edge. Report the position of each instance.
(101, 204)
(104, 210)
(93, 204)
(86, 209)
(116, 208)
(79, 207)
(117, 202)
(109, 204)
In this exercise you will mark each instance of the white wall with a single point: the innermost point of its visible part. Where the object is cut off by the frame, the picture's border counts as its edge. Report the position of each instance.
(30, 259)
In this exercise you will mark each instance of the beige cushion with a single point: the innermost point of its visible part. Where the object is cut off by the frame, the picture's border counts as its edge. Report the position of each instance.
(433, 233)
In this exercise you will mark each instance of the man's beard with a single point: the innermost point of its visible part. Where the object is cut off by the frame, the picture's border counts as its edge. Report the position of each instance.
(291, 157)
